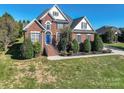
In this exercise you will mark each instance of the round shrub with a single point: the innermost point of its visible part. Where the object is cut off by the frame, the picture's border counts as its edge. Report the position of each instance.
(87, 46)
(27, 49)
(97, 44)
(75, 46)
(37, 48)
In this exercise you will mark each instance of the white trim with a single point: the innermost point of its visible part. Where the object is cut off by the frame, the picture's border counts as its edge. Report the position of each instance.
(51, 15)
(57, 35)
(48, 22)
(46, 25)
(88, 34)
(34, 32)
(32, 23)
(88, 23)
(40, 24)
(61, 11)
(79, 35)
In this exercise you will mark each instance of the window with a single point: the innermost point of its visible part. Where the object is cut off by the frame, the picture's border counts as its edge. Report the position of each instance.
(58, 36)
(88, 36)
(48, 26)
(55, 13)
(83, 25)
(60, 26)
(78, 38)
(35, 37)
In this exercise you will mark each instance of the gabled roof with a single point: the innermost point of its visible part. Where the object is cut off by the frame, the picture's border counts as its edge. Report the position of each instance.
(43, 13)
(34, 20)
(76, 21)
(47, 12)
(104, 29)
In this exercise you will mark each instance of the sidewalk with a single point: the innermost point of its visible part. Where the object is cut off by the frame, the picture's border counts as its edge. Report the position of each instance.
(82, 56)
(114, 50)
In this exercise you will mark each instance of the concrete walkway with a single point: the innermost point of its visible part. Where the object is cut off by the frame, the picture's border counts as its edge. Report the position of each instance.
(115, 52)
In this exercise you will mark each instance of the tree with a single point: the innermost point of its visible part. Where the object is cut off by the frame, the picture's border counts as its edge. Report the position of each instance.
(109, 35)
(121, 36)
(97, 44)
(75, 46)
(65, 39)
(62, 44)
(8, 30)
(20, 28)
(27, 49)
(87, 45)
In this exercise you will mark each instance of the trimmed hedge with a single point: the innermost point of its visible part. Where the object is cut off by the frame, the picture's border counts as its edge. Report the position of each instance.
(37, 48)
(27, 49)
(97, 44)
(75, 46)
(87, 46)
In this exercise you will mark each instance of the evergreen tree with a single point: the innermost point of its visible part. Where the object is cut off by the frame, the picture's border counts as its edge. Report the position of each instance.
(87, 45)
(98, 43)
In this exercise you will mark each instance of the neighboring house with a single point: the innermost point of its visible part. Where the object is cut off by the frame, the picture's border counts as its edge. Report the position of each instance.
(104, 29)
(46, 29)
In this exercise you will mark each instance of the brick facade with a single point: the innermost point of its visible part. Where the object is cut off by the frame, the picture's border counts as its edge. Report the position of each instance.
(35, 27)
(83, 36)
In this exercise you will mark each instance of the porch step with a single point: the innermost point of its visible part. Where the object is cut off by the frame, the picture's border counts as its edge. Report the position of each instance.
(50, 50)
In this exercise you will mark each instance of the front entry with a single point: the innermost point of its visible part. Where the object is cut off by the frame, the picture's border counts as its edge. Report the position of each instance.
(48, 38)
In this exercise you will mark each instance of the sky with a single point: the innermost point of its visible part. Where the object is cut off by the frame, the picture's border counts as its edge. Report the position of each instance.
(98, 14)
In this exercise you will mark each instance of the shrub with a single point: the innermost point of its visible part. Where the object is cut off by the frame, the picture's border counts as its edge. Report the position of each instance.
(27, 49)
(75, 46)
(62, 44)
(63, 53)
(1, 47)
(109, 36)
(97, 44)
(65, 39)
(87, 46)
(37, 48)
(81, 47)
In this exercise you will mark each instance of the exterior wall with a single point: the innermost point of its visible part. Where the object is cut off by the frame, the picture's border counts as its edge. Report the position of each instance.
(53, 24)
(34, 27)
(79, 25)
(54, 28)
(83, 36)
(60, 16)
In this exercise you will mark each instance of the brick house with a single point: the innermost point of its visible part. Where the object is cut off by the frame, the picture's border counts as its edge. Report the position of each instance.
(46, 29)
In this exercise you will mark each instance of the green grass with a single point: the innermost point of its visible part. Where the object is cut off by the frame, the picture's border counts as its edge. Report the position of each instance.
(96, 72)
(116, 45)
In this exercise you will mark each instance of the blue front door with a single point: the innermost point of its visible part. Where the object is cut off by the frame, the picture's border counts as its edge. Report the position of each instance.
(48, 38)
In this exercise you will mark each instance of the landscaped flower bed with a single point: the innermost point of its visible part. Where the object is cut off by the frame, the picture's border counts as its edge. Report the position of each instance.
(85, 53)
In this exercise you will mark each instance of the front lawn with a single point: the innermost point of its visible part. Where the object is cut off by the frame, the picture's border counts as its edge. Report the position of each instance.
(96, 72)
(116, 45)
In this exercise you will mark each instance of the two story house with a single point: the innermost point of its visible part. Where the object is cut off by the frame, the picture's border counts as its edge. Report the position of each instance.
(46, 29)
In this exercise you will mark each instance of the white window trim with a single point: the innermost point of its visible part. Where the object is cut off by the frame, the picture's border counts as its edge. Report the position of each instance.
(79, 35)
(46, 24)
(89, 35)
(82, 23)
(34, 33)
(57, 35)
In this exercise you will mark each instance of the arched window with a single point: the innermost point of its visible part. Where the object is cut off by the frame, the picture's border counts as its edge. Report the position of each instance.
(48, 25)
